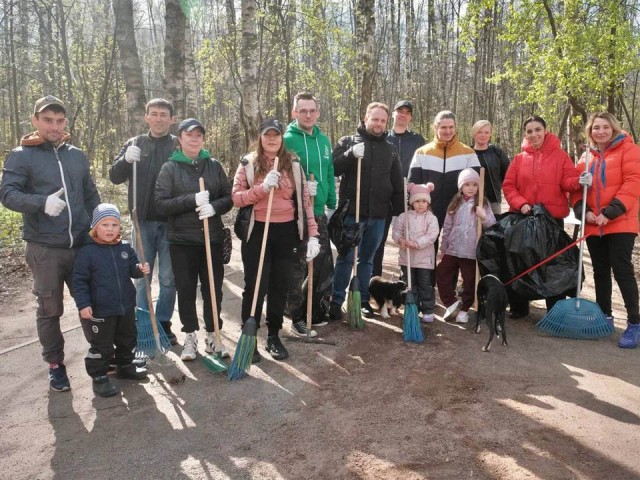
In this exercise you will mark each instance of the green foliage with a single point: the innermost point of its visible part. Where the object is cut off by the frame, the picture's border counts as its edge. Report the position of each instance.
(11, 231)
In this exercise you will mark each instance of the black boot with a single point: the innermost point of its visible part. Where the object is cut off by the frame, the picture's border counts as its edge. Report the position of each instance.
(276, 348)
(103, 387)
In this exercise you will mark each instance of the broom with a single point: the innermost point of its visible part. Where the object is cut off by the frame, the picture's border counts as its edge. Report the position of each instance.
(411, 328)
(213, 361)
(248, 342)
(576, 317)
(354, 302)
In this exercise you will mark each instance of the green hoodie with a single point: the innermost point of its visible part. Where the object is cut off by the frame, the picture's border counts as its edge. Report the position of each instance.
(180, 157)
(314, 152)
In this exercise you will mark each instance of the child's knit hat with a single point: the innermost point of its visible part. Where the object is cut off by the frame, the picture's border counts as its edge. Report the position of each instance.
(103, 211)
(468, 175)
(420, 192)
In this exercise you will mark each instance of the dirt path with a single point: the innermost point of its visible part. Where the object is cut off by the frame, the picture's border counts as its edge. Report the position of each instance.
(370, 407)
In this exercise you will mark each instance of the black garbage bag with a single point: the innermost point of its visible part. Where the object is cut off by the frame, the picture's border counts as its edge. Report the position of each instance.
(518, 242)
(344, 237)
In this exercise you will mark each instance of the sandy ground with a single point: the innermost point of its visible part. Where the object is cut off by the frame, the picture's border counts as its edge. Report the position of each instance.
(370, 407)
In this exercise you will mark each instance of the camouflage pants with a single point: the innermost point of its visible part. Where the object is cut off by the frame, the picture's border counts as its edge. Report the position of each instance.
(322, 279)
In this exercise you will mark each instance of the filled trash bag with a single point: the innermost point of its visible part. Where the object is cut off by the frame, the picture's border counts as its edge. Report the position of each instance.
(517, 242)
(344, 237)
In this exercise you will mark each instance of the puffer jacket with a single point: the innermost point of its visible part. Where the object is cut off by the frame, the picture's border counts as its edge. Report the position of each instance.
(102, 278)
(381, 174)
(35, 170)
(615, 188)
(314, 152)
(545, 176)
(176, 186)
(424, 230)
(459, 233)
(154, 153)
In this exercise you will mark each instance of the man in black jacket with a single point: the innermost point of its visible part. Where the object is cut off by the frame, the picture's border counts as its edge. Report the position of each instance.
(147, 153)
(380, 189)
(406, 142)
(48, 181)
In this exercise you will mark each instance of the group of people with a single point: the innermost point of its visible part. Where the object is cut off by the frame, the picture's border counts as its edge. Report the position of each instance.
(287, 186)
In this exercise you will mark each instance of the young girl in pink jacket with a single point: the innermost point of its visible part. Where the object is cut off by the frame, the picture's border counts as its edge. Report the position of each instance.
(423, 231)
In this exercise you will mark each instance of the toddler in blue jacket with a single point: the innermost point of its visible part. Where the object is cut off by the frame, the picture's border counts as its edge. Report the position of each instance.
(106, 299)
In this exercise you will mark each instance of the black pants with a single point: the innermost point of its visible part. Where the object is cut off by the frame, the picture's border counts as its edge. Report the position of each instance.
(609, 253)
(379, 256)
(280, 254)
(421, 287)
(189, 262)
(102, 334)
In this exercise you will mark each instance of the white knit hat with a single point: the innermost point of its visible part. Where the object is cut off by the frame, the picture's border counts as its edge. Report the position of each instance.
(420, 192)
(468, 175)
(103, 211)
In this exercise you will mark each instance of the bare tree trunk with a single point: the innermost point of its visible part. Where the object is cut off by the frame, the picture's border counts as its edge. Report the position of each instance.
(174, 56)
(365, 35)
(130, 64)
(249, 70)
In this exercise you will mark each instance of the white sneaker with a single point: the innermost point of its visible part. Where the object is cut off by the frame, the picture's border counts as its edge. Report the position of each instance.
(210, 345)
(427, 318)
(462, 317)
(451, 308)
(190, 348)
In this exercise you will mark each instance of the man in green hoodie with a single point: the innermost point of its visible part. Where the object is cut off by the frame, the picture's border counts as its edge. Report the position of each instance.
(304, 138)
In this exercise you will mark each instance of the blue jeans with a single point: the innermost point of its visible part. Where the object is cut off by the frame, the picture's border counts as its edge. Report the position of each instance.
(155, 243)
(371, 232)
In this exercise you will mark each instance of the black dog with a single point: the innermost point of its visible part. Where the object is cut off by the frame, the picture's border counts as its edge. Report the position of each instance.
(388, 294)
(492, 303)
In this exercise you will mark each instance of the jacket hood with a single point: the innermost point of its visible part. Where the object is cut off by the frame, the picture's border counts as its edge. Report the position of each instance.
(550, 142)
(34, 139)
(295, 129)
(179, 156)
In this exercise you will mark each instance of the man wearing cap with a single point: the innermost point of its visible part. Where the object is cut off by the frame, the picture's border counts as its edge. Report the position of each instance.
(304, 138)
(406, 142)
(381, 189)
(48, 181)
(148, 152)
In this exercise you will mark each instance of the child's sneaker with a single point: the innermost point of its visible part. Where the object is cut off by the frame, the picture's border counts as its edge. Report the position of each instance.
(629, 338)
(210, 345)
(58, 380)
(451, 309)
(462, 317)
(299, 329)
(103, 387)
(131, 372)
(190, 348)
(427, 318)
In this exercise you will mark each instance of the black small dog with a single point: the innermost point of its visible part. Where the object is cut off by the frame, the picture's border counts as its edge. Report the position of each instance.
(388, 294)
(492, 303)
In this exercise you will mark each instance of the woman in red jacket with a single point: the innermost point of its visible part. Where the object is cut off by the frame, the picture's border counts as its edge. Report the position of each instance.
(542, 173)
(612, 215)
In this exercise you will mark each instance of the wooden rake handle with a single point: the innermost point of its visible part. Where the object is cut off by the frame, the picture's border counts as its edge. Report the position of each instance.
(263, 248)
(478, 233)
(212, 286)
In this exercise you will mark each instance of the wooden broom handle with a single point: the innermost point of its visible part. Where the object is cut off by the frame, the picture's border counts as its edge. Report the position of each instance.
(406, 235)
(310, 278)
(355, 251)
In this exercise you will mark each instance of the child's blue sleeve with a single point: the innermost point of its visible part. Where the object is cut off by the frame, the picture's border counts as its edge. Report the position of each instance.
(81, 280)
(134, 271)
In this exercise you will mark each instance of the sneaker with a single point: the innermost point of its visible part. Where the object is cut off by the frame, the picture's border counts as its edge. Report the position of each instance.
(166, 326)
(366, 309)
(427, 318)
(210, 345)
(462, 317)
(58, 379)
(276, 348)
(190, 347)
(131, 372)
(451, 308)
(319, 321)
(629, 338)
(140, 362)
(610, 319)
(103, 387)
(299, 329)
(335, 312)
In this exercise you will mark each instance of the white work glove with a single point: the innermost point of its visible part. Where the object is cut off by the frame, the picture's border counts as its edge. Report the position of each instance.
(358, 150)
(132, 154)
(205, 211)
(313, 248)
(585, 179)
(271, 180)
(330, 212)
(312, 187)
(54, 205)
(202, 198)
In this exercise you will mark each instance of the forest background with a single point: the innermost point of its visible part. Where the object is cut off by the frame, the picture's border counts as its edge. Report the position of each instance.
(230, 63)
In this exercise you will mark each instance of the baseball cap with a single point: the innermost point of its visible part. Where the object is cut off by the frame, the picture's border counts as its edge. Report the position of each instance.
(404, 104)
(189, 124)
(45, 102)
(270, 124)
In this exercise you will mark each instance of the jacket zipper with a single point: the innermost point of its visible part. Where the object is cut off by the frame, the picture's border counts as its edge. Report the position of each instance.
(66, 196)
